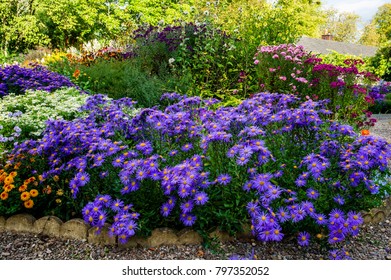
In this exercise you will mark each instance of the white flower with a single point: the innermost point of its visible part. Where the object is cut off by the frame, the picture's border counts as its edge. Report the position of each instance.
(171, 60)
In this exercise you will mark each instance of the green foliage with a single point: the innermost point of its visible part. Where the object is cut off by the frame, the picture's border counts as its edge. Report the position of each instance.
(19, 28)
(378, 31)
(120, 79)
(380, 64)
(382, 20)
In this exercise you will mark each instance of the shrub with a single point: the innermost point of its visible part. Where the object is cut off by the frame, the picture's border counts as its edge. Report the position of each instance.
(288, 68)
(24, 116)
(16, 79)
(274, 162)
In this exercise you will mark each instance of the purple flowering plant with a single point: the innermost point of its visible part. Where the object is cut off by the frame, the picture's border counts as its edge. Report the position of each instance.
(274, 162)
(289, 68)
(16, 79)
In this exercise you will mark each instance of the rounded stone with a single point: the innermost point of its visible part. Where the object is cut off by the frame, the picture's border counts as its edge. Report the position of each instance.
(74, 229)
(378, 217)
(48, 225)
(221, 235)
(163, 236)
(101, 237)
(2, 223)
(20, 223)
(367, 218)
(189, 237)
(135, 241)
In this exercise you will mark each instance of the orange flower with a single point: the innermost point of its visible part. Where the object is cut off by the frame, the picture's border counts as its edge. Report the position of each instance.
(33, 193)
(4, 195)
(8, 180)
(8, 188)
(364, 132)
(76, 74)
(29, 204)
(13, 174)
(25, 196)
(23, 188)
(47, 190)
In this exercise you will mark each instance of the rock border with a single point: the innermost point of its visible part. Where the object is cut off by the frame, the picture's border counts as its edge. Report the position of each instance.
(79, 230)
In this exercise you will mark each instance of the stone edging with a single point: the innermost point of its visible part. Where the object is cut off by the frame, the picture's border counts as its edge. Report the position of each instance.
(79, 230)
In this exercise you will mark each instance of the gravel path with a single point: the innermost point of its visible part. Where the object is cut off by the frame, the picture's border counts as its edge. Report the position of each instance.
(373, 242)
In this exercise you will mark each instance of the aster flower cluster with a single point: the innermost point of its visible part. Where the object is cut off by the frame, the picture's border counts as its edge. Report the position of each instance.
(274, 160)
(16, 79)
(125, 221)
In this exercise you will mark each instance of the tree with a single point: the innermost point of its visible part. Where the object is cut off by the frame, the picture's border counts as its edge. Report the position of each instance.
(19, 29)
(370, 37)
(342, 25)
(382, 21)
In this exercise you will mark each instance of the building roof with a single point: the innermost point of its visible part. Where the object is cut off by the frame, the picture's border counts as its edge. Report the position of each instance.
(321, 46)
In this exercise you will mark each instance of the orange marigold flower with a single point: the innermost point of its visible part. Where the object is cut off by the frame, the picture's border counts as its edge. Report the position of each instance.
(4, 195)
(364, 132)
(25, 196)
(33, 193)
(23, 188)
(13, 174)
(8, 188)
(29, 204)
(8, 180)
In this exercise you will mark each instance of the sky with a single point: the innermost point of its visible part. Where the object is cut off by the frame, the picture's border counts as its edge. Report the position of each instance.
(366, 9)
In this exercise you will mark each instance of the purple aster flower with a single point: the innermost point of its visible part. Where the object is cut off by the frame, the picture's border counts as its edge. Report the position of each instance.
(173, 153)
(145, 147)
(303, 238)
(201, 198)
(276, 234)
(130, 228)
(253, 209)
(187, 206)
(320, 219)
(188, 219)
(141, 174)
(117, 205)
(339, 199)
(187, 147)
(224, 179)
(283, 214)
(313, 194)
(165, 210)
(83, 178)
(336, 215)
(355, 218)
(103, 200)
